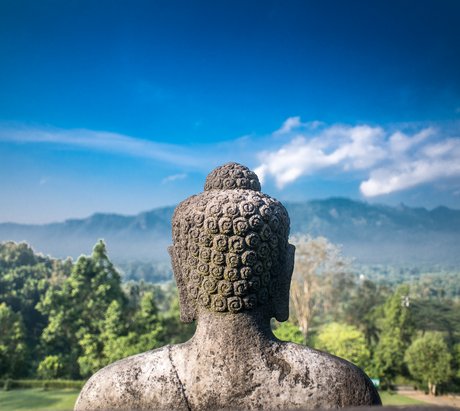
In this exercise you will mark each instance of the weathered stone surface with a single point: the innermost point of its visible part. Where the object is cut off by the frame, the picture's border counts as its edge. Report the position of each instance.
(233, 265)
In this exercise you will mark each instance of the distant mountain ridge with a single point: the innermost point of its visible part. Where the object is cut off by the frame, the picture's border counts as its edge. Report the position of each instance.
(380, 233)
(370, 233)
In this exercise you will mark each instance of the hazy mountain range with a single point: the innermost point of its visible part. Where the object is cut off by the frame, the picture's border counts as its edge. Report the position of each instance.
(370, 233)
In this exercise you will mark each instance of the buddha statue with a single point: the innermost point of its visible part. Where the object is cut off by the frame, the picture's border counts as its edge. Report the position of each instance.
(233, 264)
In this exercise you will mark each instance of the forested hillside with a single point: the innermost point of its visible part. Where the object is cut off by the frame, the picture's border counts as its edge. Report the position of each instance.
(67, 319)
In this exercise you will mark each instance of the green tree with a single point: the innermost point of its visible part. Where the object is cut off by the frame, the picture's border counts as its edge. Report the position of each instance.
(435, 314)
(91, 356)
(147, 324)
(362, 310)
(175, 331)
(16, 254)
(145, 331)
(397, 329)
(76, 310)
(286, 331)
(114, 322)
(24, 279)
(51, 367)
(321, 282)
(12, 344)
(344, 341)
(428, 360)
(457, 358)
(114, 333)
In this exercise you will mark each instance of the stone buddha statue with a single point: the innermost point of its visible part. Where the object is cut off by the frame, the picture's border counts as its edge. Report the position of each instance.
(233, 264)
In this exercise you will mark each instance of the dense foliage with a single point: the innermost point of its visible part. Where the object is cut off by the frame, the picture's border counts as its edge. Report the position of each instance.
(61, 319)
(374, 320)
(344, 340)
(429, 359)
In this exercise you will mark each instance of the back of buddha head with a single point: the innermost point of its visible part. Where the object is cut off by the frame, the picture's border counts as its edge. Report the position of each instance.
(230, 250)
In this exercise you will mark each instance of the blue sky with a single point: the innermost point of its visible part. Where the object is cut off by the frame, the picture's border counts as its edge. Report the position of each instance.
(122, 106)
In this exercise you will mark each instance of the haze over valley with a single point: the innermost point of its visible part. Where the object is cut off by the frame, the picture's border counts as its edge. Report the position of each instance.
(370, 234)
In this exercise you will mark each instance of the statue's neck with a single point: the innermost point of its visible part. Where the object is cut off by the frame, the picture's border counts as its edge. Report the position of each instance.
(232, 332)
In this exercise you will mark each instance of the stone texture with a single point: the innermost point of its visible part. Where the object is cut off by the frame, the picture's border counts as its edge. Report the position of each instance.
(233, 265)
(230, 245)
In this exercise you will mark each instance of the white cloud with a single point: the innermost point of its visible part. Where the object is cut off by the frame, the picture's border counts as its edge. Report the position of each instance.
(294, 123)
(400, 142)
(192, 156)
(174, 177)
(103, 141)
(386, 180)
(349, 147)
(431, 162)
(386, 162)
(383, 160)
(288, 125)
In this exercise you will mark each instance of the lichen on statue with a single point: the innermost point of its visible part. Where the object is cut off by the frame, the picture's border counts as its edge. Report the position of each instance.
(233, 265)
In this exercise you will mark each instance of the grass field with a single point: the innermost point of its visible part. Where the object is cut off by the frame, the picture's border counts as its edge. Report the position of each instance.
(38, 400)
(63, 400)
(390, 398)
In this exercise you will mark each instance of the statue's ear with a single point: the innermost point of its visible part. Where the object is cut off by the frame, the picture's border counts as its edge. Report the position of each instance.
(187, 308)
(281, 297)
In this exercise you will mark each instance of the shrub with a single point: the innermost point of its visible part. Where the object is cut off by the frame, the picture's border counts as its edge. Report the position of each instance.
(44, 384)
(50, 367)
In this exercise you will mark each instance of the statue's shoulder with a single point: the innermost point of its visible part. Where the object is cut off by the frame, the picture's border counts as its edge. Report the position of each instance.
(130, 383)
(333, 379)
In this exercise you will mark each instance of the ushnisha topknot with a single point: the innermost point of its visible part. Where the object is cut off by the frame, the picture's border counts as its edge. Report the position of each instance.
(229, 243)
(232, 176)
